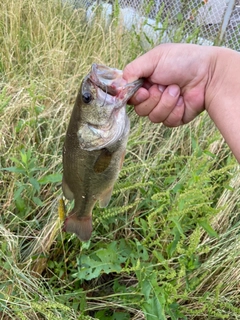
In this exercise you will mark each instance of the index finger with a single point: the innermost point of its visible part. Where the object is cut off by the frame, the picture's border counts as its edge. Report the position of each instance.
(143, 66)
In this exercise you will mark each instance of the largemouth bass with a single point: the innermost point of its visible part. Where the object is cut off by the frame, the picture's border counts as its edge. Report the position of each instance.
(95, 144)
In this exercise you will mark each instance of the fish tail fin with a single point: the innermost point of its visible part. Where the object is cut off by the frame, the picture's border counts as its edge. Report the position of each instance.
(82, 226)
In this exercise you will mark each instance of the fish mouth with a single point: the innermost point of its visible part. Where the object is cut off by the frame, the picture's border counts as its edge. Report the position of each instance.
(111, 82)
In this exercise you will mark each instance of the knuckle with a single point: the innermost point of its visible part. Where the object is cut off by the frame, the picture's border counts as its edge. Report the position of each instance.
(153, 118)
(174, 119)
(141, 110)
(168, 103)
(170, 123)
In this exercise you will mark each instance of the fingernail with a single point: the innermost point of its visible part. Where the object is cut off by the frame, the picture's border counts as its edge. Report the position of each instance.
(173, 91)
(161, 88)
(180, 101)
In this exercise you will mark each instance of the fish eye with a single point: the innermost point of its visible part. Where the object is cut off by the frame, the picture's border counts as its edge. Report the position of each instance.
(86, 97)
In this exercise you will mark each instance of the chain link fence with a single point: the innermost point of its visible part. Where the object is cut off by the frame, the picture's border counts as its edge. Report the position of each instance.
(200, 21)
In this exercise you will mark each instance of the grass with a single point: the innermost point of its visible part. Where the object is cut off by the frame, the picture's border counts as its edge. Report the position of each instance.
(167, 247)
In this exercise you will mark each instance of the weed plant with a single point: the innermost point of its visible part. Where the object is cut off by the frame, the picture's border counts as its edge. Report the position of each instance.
(167, 247)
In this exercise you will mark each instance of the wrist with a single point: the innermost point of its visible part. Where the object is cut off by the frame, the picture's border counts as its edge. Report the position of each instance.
(222, 80)
(222, 95)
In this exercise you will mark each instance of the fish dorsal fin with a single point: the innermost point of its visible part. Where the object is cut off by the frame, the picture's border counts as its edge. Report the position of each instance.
(103, 161)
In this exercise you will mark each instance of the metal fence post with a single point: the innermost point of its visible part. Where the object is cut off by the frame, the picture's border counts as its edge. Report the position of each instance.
(226, 19)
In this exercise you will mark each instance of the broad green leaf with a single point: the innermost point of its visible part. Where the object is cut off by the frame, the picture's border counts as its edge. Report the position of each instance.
(91, 268)
(18, 192)
(20, 204)
(38, 201)
(210, 154)
(25, 156)
(177, 224)
(173, 245)
(142, 251)
(104, 260)
(34, 183)
(206, 226)
(121, 316)
(102, 315)
(16, 161)
(51, 178)
(159, 256)
(146, 288)
(13, 169)
(153, 309)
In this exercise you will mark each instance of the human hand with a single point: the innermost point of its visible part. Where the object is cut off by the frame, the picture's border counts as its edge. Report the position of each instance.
(176, 76)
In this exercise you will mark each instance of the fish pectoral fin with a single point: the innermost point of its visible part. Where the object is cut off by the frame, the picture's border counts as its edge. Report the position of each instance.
(66, 190)
(105, 198)
(103, 161)
(81, 226)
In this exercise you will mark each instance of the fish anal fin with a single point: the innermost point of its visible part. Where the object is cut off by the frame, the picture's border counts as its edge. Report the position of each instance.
(105, 198)
(66, 190)
(103, 161)
(82, 226)
(122, 159)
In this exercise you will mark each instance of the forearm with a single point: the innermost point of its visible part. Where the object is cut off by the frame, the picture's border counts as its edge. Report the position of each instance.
(222, 96)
